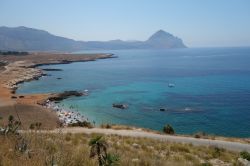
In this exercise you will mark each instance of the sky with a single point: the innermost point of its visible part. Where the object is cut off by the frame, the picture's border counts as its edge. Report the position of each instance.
(200, 23)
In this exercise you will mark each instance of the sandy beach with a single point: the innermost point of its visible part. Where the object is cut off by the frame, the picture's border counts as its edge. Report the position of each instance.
(17, 69)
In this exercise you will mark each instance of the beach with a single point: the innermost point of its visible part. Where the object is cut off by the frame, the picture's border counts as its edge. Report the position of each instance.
(18, 69)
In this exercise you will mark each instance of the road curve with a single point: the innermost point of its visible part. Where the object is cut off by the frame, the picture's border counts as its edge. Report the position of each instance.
(233, 146)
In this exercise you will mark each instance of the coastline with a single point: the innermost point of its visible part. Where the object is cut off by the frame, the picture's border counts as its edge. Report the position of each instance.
(19, 69)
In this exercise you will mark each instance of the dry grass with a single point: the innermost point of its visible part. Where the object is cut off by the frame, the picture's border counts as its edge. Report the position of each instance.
(216, 137)
(73, 149)
(196, 135)
(29, 114)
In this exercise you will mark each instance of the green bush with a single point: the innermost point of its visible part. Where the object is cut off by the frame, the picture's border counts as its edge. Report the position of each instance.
(245, 155)
(168, 129)
(81, 124)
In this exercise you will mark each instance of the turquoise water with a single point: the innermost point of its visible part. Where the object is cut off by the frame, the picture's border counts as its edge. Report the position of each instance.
(211, 93)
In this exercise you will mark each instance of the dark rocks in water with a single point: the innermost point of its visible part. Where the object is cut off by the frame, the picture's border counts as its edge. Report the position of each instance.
(163, 109)
(36, 78)
(120, 106)
(21, 97)
(59, 78)
(65, 95)
(44, 74)
(65, 62)
(52, 69)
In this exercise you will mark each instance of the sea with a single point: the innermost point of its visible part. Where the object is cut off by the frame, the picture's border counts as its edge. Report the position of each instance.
(193, 89)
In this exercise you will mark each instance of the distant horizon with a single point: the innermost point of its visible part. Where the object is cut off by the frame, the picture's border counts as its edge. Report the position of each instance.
(198, 23)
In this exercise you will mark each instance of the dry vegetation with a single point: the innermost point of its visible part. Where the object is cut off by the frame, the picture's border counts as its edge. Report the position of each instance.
(73, 149)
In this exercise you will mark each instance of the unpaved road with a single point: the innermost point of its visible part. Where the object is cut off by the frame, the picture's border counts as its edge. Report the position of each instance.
(233, 146)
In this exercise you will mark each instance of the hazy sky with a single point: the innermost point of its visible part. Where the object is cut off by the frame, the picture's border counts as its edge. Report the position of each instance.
(199, 23)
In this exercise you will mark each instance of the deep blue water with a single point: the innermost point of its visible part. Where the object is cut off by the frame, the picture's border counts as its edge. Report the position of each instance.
(211, 93)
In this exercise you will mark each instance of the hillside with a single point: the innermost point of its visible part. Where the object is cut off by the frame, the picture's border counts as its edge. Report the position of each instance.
(29, 39)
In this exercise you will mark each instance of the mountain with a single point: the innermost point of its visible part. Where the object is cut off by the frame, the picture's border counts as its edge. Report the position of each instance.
(162, 39)
(29, 39)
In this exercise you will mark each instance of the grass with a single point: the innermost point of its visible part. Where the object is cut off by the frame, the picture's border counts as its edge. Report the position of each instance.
(73, 149)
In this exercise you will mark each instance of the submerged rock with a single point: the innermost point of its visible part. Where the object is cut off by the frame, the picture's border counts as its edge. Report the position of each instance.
(163, 109)
(65, 95)
(52, 69)
(121, 106)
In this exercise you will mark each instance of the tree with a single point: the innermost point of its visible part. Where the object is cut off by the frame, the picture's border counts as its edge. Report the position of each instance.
(99, 149)
(168, 129)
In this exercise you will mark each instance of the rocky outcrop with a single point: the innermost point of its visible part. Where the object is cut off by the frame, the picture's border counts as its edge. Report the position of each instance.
(120, 106)
(65, 95)
(22, 73)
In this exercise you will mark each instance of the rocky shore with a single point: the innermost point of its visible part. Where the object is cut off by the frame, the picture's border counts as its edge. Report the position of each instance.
(22, 72)
(66, 116)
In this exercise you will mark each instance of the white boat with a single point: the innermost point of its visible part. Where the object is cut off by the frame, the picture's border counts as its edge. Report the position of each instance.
(170, 85)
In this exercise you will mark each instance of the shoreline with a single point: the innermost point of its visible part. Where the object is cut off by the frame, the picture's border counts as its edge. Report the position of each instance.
(19, 69)
(66, 116)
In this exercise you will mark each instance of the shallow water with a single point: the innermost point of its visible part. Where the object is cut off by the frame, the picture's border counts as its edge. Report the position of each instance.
(211, 93)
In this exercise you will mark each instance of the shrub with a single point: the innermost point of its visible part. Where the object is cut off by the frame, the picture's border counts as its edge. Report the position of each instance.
(200, 135)
(36, 126)
(206, 164)
(216, 152)
(168, 129)
(106, 126)
(32, 126)
(245, 155)
(81, 124)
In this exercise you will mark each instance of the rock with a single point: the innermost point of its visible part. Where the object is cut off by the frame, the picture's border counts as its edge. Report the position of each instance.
(162, 109)
(65, 95)
(121, 106)
(136, 145)
(244, 162)
(52, 69)
(217, 162)
(59, 78)
(135, 160)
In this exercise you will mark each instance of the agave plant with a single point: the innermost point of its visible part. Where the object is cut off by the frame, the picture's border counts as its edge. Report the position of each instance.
(12, 126)
(99, 149)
